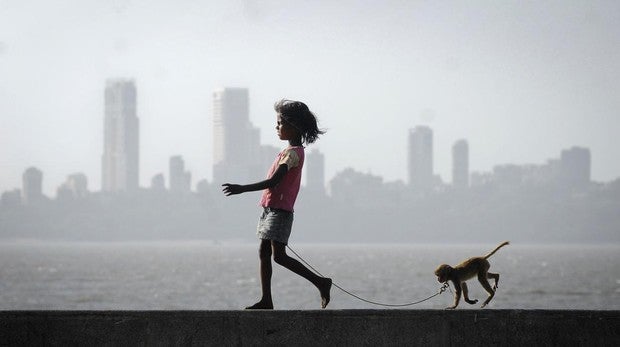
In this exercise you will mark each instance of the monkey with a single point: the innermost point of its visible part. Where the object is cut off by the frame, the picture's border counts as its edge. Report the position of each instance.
(476, 266)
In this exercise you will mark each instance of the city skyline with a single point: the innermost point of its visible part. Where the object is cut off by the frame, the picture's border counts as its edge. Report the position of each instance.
(239, 151)
(519, 81)
(253, 136)
(555, 201)
(571, 169)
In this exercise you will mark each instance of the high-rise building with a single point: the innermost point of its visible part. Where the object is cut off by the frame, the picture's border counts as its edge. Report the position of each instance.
(180, 180)
(315, 172)
(420, 158)
(32, 185)
(158, 183)
(120, 159)
(575, 167)
(460, 164)
(236, 142)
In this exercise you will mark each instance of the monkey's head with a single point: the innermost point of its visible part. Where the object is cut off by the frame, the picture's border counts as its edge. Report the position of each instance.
(443, 272)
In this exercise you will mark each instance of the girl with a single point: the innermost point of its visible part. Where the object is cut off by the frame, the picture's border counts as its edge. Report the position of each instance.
(297, 125)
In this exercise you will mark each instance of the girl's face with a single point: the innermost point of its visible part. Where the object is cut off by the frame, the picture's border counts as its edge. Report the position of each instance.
(285, 130)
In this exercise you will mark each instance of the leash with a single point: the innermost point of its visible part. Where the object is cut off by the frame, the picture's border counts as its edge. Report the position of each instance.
(441, 290)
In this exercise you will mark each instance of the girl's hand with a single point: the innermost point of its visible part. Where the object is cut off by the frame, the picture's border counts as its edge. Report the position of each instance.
(232, 189)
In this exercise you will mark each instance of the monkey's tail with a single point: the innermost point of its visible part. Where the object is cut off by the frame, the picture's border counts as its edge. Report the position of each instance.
(495, 250)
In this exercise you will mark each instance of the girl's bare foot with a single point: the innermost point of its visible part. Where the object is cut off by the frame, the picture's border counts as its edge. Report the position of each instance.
(261, 305)
(324, 289)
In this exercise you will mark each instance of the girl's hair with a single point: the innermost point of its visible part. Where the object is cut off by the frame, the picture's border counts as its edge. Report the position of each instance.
(297, 114)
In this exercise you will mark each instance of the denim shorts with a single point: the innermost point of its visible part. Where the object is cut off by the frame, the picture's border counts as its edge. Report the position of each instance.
(275, 224)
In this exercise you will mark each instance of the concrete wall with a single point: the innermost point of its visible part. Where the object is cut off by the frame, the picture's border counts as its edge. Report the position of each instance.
(298, 328)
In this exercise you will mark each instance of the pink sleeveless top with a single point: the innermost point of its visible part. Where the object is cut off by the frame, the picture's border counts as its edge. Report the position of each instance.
(284, 194)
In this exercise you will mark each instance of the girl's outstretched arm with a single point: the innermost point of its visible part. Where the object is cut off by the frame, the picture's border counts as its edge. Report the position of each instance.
(232, 189)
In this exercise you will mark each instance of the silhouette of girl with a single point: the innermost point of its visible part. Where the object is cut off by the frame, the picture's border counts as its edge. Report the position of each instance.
(297, 125)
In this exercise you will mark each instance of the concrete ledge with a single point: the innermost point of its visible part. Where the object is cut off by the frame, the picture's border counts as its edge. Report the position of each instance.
(299, 328)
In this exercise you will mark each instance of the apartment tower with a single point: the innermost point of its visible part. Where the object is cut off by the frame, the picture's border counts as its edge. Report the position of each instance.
(420, 158)
(120, 159)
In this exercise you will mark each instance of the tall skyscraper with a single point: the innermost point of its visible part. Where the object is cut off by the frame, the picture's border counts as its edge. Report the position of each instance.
(575, 167)
(180, 180)
(315, 172)
(32, 185)
(420, 158)
(460, 164)
(120, 159)
(236, 142)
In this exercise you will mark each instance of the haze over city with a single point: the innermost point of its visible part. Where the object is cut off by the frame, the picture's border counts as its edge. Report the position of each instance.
(520, 81)
(451, 128)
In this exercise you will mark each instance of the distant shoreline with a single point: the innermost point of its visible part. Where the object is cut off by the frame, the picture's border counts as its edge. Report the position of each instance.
(250, 243)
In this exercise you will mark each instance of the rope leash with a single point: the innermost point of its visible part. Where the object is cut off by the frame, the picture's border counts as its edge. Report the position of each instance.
(441, 290)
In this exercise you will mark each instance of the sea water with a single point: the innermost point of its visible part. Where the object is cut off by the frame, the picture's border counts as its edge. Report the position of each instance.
(203, 275)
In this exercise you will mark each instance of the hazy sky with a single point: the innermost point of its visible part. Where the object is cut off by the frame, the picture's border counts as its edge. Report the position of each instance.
(520, 80)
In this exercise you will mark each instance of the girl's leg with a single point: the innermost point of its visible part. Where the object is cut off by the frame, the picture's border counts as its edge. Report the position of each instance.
(324, 284)
(264, 254)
